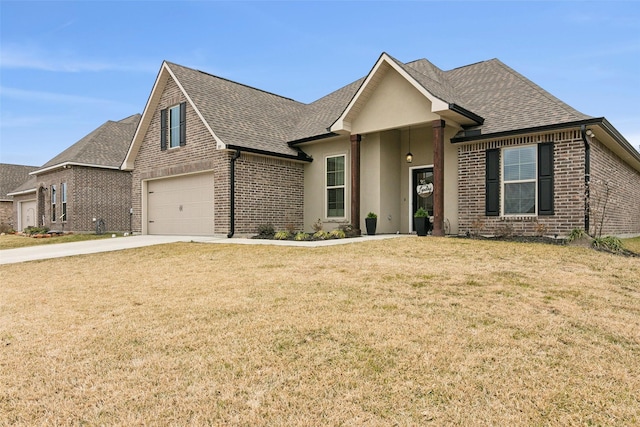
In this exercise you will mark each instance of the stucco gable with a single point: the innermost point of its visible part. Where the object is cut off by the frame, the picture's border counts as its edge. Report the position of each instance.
(424, 79)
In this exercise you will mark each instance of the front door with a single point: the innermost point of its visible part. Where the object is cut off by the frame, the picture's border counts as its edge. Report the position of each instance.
(422, 191)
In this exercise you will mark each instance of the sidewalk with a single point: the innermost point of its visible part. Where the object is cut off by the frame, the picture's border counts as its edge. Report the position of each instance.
(59, 250)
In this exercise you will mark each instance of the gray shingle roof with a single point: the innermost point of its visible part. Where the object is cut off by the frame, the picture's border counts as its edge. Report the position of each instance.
(247, 117)
(507, 100)
(106, 146)
(241, 115)
(12, 176)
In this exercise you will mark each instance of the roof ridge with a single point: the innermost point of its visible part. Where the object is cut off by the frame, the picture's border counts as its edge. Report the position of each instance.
(235, 82)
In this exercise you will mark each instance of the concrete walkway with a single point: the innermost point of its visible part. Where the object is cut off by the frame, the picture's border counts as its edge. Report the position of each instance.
(59, 250)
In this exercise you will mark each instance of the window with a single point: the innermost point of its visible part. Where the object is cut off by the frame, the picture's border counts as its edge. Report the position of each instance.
(519, 180)
(63, 199)
(173, 125)
(53, 203)
(335, 186)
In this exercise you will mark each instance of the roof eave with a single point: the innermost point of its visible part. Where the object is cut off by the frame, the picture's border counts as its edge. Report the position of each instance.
(65, 165)
(603, 123)
(301, 156)
(21, 192)
(312, 138)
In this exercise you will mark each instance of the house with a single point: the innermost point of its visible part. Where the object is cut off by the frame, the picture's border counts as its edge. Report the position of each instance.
(83, 184)
(11, 176)
(481, 147)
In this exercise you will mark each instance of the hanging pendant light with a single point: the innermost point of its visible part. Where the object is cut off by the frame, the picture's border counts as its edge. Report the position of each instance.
(409, 156)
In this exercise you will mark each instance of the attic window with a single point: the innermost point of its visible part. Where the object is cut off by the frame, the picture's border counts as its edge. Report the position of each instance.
(173, 124)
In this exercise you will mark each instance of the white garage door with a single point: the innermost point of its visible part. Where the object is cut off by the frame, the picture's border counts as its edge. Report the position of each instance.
(181, 206)
(27, 214)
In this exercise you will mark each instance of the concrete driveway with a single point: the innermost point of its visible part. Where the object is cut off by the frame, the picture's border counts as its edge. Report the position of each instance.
(59, 250)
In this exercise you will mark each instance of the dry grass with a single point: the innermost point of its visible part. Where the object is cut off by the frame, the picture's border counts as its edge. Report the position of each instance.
(12, 241)
(402, 332)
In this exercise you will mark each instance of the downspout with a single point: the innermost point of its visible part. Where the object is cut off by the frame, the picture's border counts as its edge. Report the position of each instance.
(232, 195)
(587, 176)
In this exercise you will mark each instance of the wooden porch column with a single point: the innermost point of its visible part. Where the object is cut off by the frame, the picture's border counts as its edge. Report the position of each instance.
(438, 177)
(355, 181)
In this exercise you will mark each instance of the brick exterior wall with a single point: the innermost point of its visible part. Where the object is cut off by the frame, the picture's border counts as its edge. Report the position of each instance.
(198, 155)
(569, 188)
(268, 191)
(6, 214)
(615, 194)
(91, 193)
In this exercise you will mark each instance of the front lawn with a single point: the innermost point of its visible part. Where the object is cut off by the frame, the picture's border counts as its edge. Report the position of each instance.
(12, 241)
(407, 331)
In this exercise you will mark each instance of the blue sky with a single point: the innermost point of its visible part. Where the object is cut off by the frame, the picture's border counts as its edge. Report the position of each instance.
(67, 67)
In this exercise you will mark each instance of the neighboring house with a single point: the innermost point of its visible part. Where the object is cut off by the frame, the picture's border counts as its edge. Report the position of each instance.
(84, 183)
(11, 176)
(491, 152)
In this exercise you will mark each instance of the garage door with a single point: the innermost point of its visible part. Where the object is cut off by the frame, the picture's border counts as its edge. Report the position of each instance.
(181, 206)
(27, 214)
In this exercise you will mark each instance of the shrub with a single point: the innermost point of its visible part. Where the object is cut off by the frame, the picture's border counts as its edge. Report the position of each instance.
(31, 230)
(576, 233)
(301, 236)
(372, 215)
(337, 234)
(348, 230)
(505, 230)
(421, 213)
(608, 243)
(6, 228)
(321, 235)
(317, 226)
(266, 230)
(282, 235)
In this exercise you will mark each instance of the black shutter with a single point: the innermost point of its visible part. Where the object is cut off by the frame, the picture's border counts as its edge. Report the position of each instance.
(163, 129)
(183, 124)
(492, 187)
(545, 179)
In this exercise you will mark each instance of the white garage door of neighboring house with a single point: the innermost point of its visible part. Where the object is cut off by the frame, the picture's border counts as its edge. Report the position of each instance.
(27, 214)
(181, 206)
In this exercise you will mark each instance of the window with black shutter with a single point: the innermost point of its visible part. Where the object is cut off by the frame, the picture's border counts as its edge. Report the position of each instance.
(545, 179)
(492, 184)
(163, 129)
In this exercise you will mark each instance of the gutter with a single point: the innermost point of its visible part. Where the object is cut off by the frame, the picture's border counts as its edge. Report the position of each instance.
(65, 165)
(300, 156)
(587, 176)
(232, 194)
(477, 135)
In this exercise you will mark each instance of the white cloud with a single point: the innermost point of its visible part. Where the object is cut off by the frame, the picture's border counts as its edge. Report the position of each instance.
(34, 95)
(16, 56)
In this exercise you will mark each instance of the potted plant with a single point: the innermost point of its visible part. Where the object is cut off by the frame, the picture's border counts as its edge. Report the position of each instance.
(421, 221)
(371, 221)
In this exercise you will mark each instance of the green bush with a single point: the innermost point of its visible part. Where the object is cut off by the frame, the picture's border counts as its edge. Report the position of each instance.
(282, 235)
(301, 236)
(421, 213)
(576, 233)
(337, 234)
(321, 235)
(608, 243)
(372, 215)
(31, 230)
